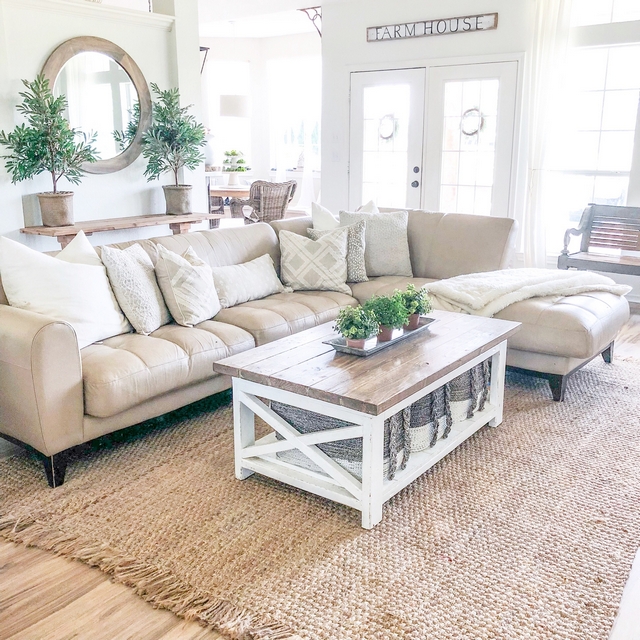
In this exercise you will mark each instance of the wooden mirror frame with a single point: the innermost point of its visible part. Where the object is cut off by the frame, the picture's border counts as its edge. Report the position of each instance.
(90, 44)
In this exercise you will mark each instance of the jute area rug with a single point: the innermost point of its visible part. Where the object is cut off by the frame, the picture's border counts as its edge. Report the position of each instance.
(525, 531)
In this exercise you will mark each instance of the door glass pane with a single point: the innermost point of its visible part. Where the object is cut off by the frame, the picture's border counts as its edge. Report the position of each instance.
(386, 144)
(468, 156)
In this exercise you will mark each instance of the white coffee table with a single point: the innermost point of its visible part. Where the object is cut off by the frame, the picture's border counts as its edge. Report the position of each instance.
(303, 372)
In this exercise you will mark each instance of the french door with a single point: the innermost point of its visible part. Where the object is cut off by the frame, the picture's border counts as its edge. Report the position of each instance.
(441, 145)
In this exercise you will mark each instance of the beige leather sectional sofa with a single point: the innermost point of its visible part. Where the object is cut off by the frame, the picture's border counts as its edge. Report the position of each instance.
(53, 396)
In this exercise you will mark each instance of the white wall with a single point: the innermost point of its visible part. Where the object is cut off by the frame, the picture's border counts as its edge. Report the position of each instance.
(29, 31)
(345, 49)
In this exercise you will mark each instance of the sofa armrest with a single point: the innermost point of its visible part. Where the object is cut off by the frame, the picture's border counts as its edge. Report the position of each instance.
(41, 398)
(295, 225)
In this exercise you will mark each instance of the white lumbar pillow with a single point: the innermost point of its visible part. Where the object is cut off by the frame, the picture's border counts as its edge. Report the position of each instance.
(72, 287)
(322, 218)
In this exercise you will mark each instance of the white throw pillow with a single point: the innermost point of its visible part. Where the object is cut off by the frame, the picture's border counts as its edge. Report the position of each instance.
(322, 218)
(187, 286)
(72, 287)
(315, 265)
(387, 245)
(251, 280)
(134, 282)
(369, 207)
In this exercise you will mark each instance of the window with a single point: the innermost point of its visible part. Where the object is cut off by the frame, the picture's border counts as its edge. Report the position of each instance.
(295, 86)
(590, 155)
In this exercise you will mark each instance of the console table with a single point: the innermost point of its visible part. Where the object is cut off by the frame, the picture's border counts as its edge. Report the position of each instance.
(177, 224)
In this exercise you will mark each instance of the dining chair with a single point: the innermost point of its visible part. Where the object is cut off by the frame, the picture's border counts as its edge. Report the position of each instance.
(268, 201)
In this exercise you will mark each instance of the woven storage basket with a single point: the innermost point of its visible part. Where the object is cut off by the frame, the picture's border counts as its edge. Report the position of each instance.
(347, 453)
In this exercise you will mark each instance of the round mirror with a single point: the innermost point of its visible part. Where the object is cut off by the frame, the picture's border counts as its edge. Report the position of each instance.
(101, 98)
(107, 95)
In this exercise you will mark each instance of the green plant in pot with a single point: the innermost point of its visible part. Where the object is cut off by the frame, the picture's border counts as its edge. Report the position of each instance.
(390, 313)
(417, 302)
(232, 165)
(356, 325)
(173, 141)
(46, 143)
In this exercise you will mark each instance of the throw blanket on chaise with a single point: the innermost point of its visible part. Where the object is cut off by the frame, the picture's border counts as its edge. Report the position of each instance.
(485, 294)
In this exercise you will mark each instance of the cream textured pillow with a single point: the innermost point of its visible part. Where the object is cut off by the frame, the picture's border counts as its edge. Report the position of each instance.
(134, 282)
(387, 245)
(315, 265)
(187, 286)
(64, 288)
(356, 269)
(251, 280)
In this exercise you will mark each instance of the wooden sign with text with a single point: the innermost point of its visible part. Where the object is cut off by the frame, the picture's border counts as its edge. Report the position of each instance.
(423, 28)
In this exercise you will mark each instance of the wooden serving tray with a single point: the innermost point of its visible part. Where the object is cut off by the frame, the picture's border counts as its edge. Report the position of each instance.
(372, 345)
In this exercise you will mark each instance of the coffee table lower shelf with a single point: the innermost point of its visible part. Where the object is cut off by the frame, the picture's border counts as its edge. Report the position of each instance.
(334, 482)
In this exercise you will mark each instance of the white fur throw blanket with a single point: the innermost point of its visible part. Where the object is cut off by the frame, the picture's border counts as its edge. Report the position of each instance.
(485, 294)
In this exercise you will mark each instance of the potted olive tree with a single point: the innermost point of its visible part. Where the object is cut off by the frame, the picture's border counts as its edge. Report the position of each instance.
(232, 165)
(173, 141)
(417, 302)
(390, 313)
(47, 143)
(356, 325)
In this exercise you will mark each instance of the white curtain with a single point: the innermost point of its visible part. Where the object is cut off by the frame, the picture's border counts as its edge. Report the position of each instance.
(543, 90)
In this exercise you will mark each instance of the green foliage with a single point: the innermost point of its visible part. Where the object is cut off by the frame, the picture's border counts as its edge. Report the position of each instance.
(46, 143)
(388, 310)
(234, 162)
(356, 323)
(174, 140)
(125, 138)
(415, 300)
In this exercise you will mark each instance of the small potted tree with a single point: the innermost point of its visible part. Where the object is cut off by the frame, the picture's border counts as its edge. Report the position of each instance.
(417, 302)
(356, 325)
(232, 165)
(47, 143)
(173, 141)
(390, 313)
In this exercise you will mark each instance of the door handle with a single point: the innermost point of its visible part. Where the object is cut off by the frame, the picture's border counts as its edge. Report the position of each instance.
(415, 184)
(416, 169)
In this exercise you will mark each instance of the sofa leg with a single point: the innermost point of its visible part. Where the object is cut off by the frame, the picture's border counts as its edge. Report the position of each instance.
(55, 467)
(607, 354)
(558, 385)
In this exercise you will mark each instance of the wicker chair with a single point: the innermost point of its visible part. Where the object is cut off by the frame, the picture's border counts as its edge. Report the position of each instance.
(216, 205)
(268, 201)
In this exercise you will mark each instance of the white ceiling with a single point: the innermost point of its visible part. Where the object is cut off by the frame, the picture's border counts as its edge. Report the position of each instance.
(254, 18)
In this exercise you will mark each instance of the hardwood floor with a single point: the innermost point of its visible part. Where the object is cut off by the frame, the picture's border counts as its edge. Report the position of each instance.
(43, 597)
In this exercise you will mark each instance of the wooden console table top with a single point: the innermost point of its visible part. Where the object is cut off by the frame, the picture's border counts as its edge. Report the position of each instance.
(177, 224)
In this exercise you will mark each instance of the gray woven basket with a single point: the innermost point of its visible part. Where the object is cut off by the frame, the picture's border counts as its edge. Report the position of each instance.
(416, 428)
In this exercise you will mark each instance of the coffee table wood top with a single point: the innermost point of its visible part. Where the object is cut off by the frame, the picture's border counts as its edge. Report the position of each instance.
(303, 365)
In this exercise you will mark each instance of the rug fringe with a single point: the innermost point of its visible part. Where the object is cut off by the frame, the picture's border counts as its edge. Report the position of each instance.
(155, 585)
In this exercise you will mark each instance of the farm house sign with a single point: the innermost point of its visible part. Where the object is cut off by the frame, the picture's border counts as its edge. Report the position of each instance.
(465, 24)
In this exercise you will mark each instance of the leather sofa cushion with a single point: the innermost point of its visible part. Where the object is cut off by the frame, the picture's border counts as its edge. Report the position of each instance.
(384, 286)
(284, 314)
(579, 326)
(126, 370)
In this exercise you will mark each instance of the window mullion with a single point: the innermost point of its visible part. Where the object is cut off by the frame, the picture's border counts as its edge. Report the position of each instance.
(633, 194)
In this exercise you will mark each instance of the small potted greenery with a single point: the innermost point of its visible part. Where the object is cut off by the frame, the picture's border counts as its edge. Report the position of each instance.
(356, 325)
(233, 164)
(173, 141)
(390, 313)
(47, 143)
(417, 302)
